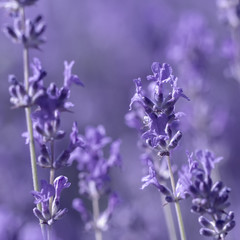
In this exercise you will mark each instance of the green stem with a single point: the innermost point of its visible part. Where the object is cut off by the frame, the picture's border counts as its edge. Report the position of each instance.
(95, 207)
(169, 220)
(52, 170)
(29, 122)
(167, 208)
(49, 231)
(28, 115)
(177, 206)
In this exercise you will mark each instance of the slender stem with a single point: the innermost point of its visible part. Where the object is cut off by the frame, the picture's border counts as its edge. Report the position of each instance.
(96, 212)
(167, 208)
(49, 232)
(44, 231)
(52, 170)
(28, 114)
(95, 205)
(177, 206)
(29, 123)
(169, 220)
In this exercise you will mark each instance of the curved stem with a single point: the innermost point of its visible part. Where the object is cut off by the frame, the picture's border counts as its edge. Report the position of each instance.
(177, 206)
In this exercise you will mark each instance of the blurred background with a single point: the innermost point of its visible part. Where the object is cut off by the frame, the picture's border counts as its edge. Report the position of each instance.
(112, 42)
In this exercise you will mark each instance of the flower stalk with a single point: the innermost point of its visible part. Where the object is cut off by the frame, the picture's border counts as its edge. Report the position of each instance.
(169, 220)
(95, 206)
(28, 113)
(177, 206)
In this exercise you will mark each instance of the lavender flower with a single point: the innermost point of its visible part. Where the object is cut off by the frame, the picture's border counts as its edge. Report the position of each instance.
(207, 198)
(159, 133)
(159, 112)
(94, 170)
(29, 35)
(91, 162)
(46, 215)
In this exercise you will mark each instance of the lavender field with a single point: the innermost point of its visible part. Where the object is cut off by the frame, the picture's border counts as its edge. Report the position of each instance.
(119, 120)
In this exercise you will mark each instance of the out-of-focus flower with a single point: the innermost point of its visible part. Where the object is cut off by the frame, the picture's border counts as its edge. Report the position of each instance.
(94, 169)
(207, 198)
(30, 35)
(91, 162)
(229, 12)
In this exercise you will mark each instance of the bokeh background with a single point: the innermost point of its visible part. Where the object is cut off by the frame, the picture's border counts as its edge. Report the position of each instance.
(113, 42)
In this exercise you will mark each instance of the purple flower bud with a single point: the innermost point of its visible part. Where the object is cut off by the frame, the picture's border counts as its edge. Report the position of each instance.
(174, 141)
(60, 214)
(205, 222)
(60, 183)
(169, 199)
(207, 232)
(43, 162)
(229, 226)
(38, 214)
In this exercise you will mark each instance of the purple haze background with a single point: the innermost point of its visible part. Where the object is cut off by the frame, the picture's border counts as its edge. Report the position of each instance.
(113, 42)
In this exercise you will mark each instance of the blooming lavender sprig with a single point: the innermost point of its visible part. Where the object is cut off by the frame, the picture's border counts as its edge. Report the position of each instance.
(43, 107)
(50, 212)
(94, 169)
(208, 199)
(159, 132)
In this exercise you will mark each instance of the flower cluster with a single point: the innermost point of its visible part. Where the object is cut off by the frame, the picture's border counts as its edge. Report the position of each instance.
(94, 170)
(159, 120)
(43, 106)
(47, 103)
(207, 198)
(48, 192)
(30, 35)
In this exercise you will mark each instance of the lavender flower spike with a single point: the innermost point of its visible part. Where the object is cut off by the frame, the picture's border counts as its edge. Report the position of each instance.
(46, 215)
(94, 168)
(207, 198)
(159, 133)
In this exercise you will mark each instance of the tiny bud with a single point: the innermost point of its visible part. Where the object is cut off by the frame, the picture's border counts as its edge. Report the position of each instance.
(205, 222)
(169, 199)
(63, 93)
(164, 190)
(60, 214)
(207, 232)
(229, 226)
(174, 141)
(168, 131)
(60, 134)
(219, 224)
(230, 215)
(39, 130)
(38, 214)
(43, 162)
(217, 186)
